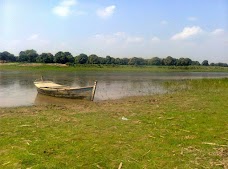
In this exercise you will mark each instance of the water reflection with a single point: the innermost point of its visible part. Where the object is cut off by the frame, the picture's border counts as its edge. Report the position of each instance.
(119, 89)
(17, 88)
(43, 99)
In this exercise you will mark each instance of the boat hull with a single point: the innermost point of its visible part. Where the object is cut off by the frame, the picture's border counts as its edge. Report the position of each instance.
(85, 93)
(52, 89)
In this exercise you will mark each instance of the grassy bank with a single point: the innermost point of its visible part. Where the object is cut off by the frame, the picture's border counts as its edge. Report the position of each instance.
(62, 67)
(186, 129)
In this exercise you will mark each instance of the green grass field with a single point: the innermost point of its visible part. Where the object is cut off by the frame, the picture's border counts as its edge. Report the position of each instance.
(184, 129)
(61, 67)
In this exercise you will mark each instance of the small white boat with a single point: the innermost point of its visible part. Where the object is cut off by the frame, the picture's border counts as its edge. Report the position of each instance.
(53, 89)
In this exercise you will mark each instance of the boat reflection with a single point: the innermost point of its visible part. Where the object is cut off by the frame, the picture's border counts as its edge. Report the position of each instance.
(47, 100)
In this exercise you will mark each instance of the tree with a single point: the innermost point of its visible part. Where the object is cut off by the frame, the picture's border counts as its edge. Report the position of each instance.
(109, 60)
(117, 61)
(45, 58)
(169, 61)
(28, 56)
(205, 63)
(63, 57)
(183, 62)
(124, 61)
(212, 64)
(155, 61)
(195, 63)
(69, 57)
(93, 59)
(101, 60)
(136, 61)
(7, 57)
(23, 57)
(81, 59)
(221, 64)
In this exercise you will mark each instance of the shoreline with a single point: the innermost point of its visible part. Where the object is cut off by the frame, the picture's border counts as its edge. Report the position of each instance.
(113, 68)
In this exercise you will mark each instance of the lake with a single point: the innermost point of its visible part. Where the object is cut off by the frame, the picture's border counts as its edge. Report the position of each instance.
(17, 88)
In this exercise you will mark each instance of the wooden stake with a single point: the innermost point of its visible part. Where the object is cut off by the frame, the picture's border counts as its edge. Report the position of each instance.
(94, 90)
(120, 166)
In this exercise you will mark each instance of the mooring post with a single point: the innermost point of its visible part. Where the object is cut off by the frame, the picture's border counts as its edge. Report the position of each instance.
(94, 90)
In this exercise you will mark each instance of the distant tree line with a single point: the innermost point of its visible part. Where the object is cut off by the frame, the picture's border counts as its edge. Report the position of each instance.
(31, 56)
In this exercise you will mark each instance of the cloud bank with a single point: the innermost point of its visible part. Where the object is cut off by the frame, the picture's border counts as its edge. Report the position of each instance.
(63, 9)
(187, 32)
(106, 12)
(218, 32)
(33, 37)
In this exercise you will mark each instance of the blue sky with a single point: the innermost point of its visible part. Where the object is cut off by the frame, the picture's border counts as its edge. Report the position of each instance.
(197, 29)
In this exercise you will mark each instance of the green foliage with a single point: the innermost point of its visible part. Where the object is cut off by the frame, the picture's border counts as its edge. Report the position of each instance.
(8, 57)
(28, 56)
(219, 64)
(205, 63)
(124, 61)
(117, 61)
(183, 62)
(109, 60)
(93, 59)
(136, 61)
(45, 58)
(66, 57)
(155, 61)
(63, 57)
(169, 61)
(195, 63)
(101, 60)
(81, 59)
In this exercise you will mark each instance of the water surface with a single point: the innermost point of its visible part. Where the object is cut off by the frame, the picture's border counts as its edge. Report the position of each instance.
(17, 88)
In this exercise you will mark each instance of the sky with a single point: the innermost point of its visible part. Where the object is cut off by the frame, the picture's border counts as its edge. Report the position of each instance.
(197, 29)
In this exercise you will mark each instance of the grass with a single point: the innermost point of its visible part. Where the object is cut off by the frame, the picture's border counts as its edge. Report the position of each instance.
(184, 129)
(128, 68)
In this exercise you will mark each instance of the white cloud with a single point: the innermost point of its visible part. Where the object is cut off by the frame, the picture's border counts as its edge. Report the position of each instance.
(64, 8)
(192, 18)
(33, 37)
(164, 22)
(15, 42)
(218, 32)
(106, 12)
(35, 40)
(61, 10)
(105, 39)
(187, 33)
(155, 39)
(134, 39)
(120, 34)
(117, 38)
(68, 3)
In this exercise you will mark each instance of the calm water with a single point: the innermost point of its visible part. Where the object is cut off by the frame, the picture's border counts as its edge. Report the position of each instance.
(17, 88)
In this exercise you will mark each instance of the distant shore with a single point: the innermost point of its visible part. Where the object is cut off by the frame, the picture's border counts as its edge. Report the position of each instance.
(98, 67)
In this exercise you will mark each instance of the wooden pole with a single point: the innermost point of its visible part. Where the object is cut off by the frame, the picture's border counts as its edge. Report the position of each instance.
(94, 90)
(120, 166)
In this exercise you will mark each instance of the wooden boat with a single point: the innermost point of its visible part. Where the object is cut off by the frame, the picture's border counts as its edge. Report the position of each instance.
(53, 89)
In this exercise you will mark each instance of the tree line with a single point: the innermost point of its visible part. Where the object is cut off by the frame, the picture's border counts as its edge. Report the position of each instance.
(31, 56)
